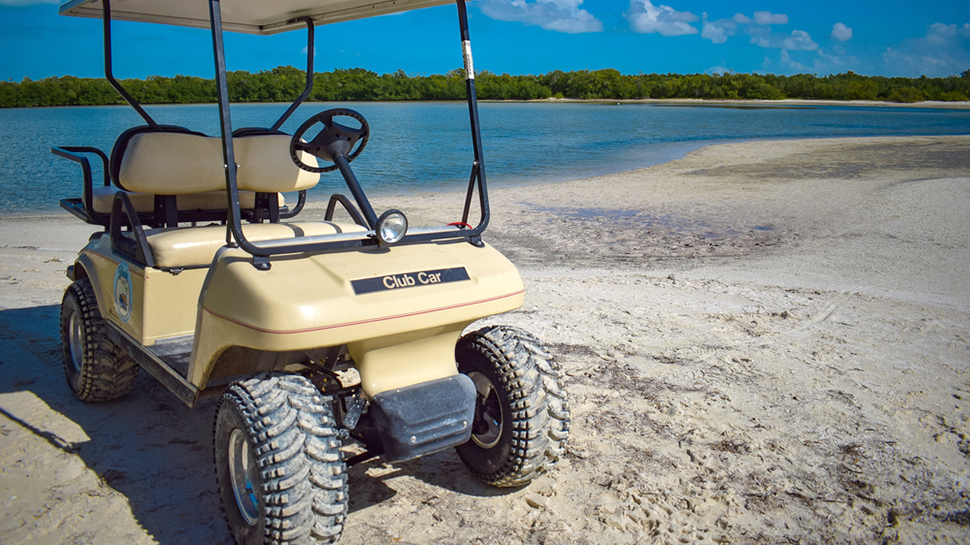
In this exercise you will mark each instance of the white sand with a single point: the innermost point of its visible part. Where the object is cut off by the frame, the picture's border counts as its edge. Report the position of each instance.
(764, 343)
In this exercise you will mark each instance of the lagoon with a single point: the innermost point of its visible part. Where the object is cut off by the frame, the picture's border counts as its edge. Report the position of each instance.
(421, 147)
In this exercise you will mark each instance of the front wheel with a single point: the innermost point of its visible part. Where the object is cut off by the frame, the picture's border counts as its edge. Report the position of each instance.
(521, 415)
(278, 463)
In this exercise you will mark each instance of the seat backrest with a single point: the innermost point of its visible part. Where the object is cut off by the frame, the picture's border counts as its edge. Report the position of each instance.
(265, 165)
(175, 161)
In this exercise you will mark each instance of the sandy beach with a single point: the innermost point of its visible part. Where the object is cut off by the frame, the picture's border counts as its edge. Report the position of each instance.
(763, 342)
(950, 105)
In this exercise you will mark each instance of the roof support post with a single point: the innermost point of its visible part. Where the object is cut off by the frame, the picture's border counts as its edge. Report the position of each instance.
(234, 220)
(479, 163)
(108, 69)
(310, 51)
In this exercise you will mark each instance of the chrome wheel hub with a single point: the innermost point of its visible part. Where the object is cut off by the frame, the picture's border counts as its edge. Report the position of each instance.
(488, 425)
(242, 473)
(76, 329)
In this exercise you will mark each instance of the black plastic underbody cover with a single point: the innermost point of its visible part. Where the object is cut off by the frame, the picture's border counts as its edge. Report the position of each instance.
(424, 418)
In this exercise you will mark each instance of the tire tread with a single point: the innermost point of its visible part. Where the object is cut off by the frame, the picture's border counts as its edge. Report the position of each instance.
(291, 427)
(107, 371)
(540, 412)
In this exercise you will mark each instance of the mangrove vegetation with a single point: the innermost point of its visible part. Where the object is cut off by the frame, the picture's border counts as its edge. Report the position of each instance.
(284, 83)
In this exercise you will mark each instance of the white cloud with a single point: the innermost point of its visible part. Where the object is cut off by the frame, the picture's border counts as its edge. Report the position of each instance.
(763, 40)
(943, 51)
(786, 60)
(800, 41)
(939, 29)
(718, 70)
(939, 32)
(757, 27)
(768, 18)
(646, 18)
(841, 32)
(741, 19)
(835, 60)
(717, 32)
(557, 15)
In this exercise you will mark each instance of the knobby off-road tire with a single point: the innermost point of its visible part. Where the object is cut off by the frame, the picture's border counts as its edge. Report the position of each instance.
(521, 415)
(278, 464)
(96, 368)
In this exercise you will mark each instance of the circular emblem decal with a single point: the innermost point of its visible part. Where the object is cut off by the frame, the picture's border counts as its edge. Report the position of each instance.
(122, 292)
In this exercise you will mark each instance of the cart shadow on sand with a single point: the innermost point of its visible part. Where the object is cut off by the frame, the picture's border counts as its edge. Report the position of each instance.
(151, 448)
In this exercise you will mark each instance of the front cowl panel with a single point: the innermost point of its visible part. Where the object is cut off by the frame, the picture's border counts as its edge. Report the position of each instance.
(310, 301)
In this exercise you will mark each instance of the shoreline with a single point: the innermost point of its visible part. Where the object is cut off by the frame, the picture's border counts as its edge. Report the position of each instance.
(56, 211)
(957, 105)
(761, 342)
(961, 105)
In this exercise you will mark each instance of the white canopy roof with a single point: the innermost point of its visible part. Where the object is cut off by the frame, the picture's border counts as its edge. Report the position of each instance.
(249, 16)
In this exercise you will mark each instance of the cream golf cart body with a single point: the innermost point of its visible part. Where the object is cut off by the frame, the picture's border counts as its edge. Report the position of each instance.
(320, 336)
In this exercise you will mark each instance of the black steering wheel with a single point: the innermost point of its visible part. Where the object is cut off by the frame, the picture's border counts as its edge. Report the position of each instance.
(333, 141)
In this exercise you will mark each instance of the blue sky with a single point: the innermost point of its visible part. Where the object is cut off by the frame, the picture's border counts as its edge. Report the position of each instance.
(889, 38)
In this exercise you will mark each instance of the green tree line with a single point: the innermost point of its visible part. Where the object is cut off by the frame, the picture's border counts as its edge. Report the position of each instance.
(284, 83)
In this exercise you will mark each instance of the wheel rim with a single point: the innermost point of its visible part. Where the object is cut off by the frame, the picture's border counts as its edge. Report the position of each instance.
(488, 425)
(242, 474)
(76, 328)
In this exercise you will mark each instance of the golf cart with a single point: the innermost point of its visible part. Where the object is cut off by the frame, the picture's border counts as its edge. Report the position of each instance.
(330, 342)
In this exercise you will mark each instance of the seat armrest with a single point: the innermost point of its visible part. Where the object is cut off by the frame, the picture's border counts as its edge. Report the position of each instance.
(72, 153)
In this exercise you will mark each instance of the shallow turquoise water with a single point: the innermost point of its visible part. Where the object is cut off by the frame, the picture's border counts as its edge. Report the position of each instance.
(426, 146)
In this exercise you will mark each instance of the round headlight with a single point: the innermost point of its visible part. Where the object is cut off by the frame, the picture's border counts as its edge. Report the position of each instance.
(391, 227)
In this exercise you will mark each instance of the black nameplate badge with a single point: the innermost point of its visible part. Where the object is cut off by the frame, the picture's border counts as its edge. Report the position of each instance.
(409, 280)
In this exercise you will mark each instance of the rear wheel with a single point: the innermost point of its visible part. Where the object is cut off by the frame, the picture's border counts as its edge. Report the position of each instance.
(96, 368)
(278, 462)
(521, 415)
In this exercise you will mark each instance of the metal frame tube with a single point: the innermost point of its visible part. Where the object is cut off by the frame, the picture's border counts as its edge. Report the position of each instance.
(309, 75)
(234, 221)
(479, 164)
(108, 70)
(264, 250)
